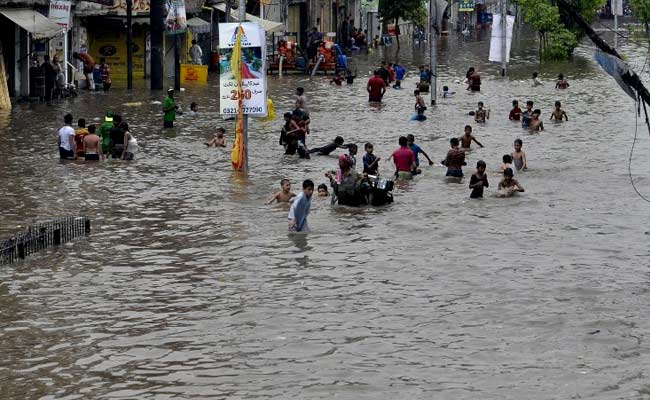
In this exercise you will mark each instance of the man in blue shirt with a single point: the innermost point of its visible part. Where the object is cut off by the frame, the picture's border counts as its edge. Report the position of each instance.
(410, 140)
(400, 72)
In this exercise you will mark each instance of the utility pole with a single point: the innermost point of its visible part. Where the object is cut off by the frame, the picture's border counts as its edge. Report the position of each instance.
(129, 44)
(615, 6)
(228, 11)
(156, 23)
(433, 42)
(504, 39)
(177, 62)
(242, 18)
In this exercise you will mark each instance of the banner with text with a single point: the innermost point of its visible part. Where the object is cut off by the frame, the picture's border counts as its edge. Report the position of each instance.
(176, 21)
(253, 74)
(60, 13)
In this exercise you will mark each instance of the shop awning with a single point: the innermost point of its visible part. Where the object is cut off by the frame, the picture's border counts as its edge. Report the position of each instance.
(33, 22)
(198, 25)
(269, 26)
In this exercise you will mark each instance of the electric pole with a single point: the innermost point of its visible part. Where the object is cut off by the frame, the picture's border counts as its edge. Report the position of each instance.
(433, 42)
(156, 23)
(504, 39)
(129, 44)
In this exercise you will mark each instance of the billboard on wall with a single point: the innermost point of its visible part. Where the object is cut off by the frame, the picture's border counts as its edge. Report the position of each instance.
(176, 21)
(60, 13)
(253, 90)
(111, 44)
(466, 6)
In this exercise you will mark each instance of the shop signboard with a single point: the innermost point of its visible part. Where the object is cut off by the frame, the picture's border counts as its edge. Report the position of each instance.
(60, 13)
(466, 5)
(176, 21)
(111, 45)
(253, 76)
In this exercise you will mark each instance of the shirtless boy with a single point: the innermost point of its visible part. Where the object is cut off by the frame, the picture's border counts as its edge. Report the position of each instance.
(509, 185)
(519, 156)
(536, 124)
(219, 140)
(481, 114)
(558, 114)
(467, 139)
(91, 145)
(284, 195)
(419, 101)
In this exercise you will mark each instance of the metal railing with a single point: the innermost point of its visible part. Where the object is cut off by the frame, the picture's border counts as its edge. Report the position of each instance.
(42, 236)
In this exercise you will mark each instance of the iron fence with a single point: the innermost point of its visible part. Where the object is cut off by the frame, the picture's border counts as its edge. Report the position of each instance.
(42, 236)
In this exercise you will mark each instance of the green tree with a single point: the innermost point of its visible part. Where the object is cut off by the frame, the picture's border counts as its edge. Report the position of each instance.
(558, 34)
(406, 10)
(641, 9)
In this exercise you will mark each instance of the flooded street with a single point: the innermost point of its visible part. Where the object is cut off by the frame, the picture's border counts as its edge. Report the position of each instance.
(190, 288)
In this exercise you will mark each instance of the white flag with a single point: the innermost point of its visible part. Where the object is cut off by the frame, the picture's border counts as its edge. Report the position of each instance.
(497, 37)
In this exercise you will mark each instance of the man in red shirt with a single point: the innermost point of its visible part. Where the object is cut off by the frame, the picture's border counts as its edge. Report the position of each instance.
(376, 88)
(404, 159)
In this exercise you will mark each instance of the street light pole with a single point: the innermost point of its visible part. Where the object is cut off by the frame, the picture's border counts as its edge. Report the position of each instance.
(242, 18)
(433, 41)
(504, 39)
(129, 45)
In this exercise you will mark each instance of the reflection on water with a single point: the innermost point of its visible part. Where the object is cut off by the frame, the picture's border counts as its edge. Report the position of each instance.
(190, 287)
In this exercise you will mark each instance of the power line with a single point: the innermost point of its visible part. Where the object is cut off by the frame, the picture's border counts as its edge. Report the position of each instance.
(637, 111)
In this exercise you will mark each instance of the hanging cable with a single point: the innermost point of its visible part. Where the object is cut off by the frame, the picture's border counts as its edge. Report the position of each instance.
(637, 112)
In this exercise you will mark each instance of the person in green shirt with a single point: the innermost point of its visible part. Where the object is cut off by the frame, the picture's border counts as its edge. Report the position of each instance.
(105, 132)
(169, 108)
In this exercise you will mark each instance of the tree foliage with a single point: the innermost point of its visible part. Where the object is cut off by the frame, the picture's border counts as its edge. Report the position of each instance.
(558, 35)
(641, 10)
(406, 10)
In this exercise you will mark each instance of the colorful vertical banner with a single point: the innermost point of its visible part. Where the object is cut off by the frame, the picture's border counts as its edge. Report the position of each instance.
(247, 95)
(176, 21)
(238, 154)
(60, 13)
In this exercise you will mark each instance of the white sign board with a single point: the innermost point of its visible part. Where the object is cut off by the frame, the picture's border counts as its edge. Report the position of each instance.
(253, 88)
(60, 13)
(497, 37)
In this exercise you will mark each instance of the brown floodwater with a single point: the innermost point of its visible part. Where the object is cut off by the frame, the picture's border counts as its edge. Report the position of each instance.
(190, 288)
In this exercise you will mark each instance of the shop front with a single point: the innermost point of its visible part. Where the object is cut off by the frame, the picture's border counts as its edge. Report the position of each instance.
(107, 39)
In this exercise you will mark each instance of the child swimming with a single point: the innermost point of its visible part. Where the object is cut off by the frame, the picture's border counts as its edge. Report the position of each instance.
(481, 115)
(300, 208)
(558, 114)
(561, 82)
(370, 161)
(322, 190)
(446, 93)
(478, 181)
(219, 140)
(519, 156)
(284, 195)
(515, 113)
(536, 124)
(467, 139)
(509, 185)
(507, 162)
